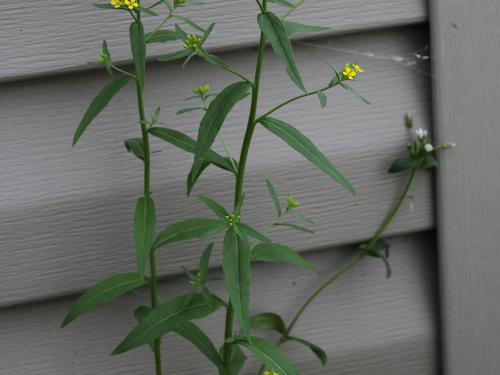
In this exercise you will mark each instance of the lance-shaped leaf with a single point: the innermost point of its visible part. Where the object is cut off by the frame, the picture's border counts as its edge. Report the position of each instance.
(274, 197)
(138, 45)
(238, 359)
(139, 314)
(276, 253)
(135, 146)
(294, 227)
(202, 342)
(247, 230)
(268, 354)
(400, 165)
(164, 318)
(269, 321)
(304, 145)
(161, 36)
(320, 353)
(274, 30)
(175, 56)
(188, 144)
(323, 100)
(211, 123)
(189, 229)
(283, 3)
(237, 274)
(144, 230)
(295, 27)
(217, 208)
(105, 291)
(204, 261)
(99, 103)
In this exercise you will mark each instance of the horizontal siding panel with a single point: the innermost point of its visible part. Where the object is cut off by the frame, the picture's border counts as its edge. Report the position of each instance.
(368, 325)
(39, 37)
(65, 215)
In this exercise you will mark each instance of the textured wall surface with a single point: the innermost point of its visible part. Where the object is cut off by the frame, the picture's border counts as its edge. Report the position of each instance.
(66, 215)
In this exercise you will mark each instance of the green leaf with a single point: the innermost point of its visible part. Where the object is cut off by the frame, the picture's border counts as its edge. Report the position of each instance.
(105, 291)
(211, 123)
(252, 232)
(400, 165)
(103, 6)
(274, 197)
(217, 208)
(138, 45)
(99, 103)
(268, 320)
(238, 359)
(295, 227)
(192, 179)
(276, 253)
(189, 229)
(192, 24)
(354, 92)
(188, 144)
(237, 272)
(166, 317)
(274, 30)
(323, 100)
(175, 56)
(320, 353)
(190, 109)
(204, 262)
(144, 230)
(428, 162)
(161, 36)
(146, 11)
(139, 314)
(202, 342)
(135, 146)
(303, 145)
(283, 3)
(268, 354)
(295, 27)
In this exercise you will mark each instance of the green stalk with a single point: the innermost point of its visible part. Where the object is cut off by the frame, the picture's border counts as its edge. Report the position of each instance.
(147, 194)
(240, 177)
(352, 262)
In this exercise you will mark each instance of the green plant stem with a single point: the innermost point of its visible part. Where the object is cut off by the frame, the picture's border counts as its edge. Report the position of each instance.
(147, 194)
(392, 214)
(238, 193)
(352, 262)
(298, 97)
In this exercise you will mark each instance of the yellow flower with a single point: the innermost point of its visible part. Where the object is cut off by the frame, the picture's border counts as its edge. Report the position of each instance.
(350, 71)
(267, 372)
(116, 3)
(192, 42)
(202, 90)
(131, 4)
(292, 203)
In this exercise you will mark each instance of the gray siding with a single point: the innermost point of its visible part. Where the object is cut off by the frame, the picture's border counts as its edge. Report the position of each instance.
(65, 218)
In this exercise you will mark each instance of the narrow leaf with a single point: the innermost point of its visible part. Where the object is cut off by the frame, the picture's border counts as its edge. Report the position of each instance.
(238, 359)
(99, 103)
(268, 320)
(236, 266)
(136, 147)
(211, 123)
(268, 354)
(294, 227)
(189, 229)
(105, 291)
(274, 30)
(139, 314)
(188, 144)
(295, 27)
(146, 11)
(165, 318)
(355, 93)
(103, 6)
(201, 341)
(161, 36)
(190, 109)
(283, 3)
(276, 253)
(252, 232)
(217, 208)
(204, 262)
(304, 145)
(274, 197)
(144, 230)
(320, 353)
(175, 56)
(192, 24)
(138, 45)
(323, 100)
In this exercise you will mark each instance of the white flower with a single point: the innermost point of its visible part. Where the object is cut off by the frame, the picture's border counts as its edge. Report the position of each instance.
(428, 147)
(421, 133)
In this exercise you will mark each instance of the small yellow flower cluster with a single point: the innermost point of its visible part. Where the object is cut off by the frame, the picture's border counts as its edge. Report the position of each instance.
(292, 203)
(129, 4)
(202, 90)
(178, 3)
(267, 372)
(192, 42)
(351, 71)
(232, 219)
